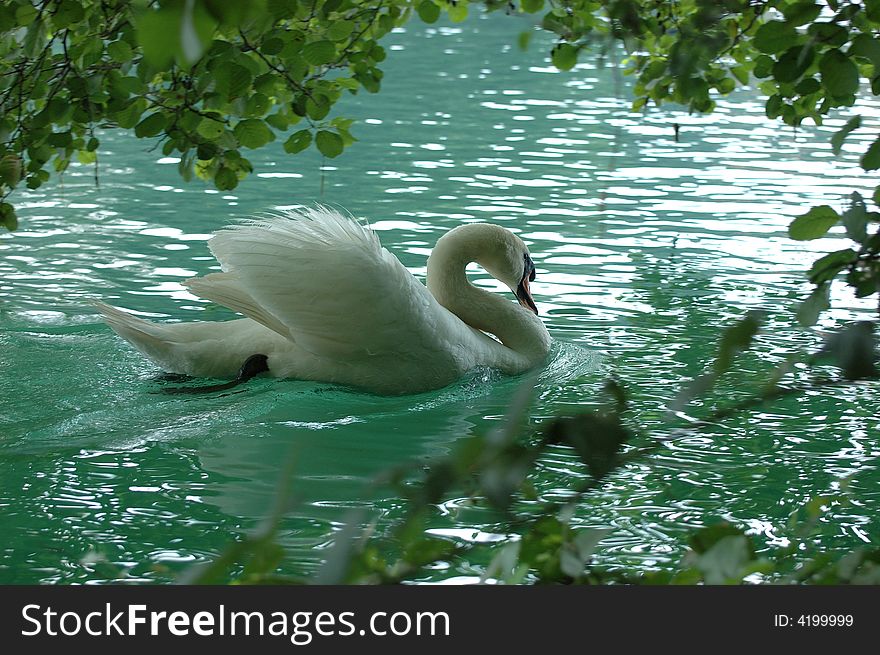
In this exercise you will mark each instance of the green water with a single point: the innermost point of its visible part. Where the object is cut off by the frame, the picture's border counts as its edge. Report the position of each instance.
(645, 247)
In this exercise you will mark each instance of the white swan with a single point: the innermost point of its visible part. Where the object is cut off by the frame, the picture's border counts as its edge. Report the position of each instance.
(325, 301)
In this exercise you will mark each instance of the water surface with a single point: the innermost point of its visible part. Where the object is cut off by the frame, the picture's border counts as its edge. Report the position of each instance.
(645, 248)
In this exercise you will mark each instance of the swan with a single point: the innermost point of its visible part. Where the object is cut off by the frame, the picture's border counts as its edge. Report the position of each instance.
(324, 301)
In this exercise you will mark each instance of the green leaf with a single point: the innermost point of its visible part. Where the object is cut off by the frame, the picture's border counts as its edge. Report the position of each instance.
(185, 166)
(725, 86)
(257, 105)
(774, 106)
(855, 219)
(56, 109)
(377, 53)
(801, 13)
(741, 73)
(737, 338)
(816, 303)
(597, 439)
(340, 30)
(840, 76)
(564, 56)
(763, 66)
(347, 138)
(225, 179)
(504, 564)
(342, 123)
(120, 51)
(125, 86)
(807, 86)
(329, 144)
(826, 268)
(158, 33)
(539, 547)
(837, 140)
(253, 133)
(726, 561)
(10, 170)
(319, 53)
(853, 349)
(829, 33)
(128, 117)
(865, 279)
(298, 141)
(8, 219)
(272, 46)
(427, 550)
(282, 9)
(176, 30)
(280, 120)
(210, 128)
(793, 63)
(586, 541)
(151, 126)
(267, 84)
(60, 139)
(428, 11)
(317, 107)
(871, 159)
(207, 151)
(867, 47)
(531, 6)
(265, 556)
(67, 13)
(703, 540)
(814, 224)
(457, 11)
(233, 80)
(25, 14)
(774, 36)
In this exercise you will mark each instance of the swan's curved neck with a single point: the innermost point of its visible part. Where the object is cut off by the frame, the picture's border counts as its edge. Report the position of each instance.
(516, 327)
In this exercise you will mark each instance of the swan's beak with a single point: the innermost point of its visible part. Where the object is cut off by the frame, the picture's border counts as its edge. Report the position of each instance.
(522, 290)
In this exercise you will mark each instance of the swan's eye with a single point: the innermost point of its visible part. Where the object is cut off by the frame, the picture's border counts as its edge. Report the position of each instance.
(529, 270)
(523, 294)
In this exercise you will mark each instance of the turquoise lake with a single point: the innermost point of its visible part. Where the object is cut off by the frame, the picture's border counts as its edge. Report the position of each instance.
(645, 249)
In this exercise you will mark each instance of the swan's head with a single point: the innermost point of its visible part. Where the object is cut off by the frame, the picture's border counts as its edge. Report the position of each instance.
(507, 259)
(496, 249)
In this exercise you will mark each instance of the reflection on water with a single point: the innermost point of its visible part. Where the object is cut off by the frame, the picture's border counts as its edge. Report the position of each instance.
(644, 247)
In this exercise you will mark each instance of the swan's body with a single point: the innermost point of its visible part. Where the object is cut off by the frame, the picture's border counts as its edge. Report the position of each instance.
(325, 301)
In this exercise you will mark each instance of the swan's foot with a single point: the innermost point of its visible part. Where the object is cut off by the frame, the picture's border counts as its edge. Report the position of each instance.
(253, 366)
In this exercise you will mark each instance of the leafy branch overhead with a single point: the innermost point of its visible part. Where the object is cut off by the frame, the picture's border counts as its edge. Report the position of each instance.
(210, 79)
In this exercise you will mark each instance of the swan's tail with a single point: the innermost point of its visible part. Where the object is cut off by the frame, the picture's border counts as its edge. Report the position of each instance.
(158, 342)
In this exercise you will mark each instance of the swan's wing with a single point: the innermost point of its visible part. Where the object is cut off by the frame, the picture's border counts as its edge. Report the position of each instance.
(226, 290)
(326, 279)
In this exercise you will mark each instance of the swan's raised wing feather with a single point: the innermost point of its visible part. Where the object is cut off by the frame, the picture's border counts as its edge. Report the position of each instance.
(225, 289)
(329, 282)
